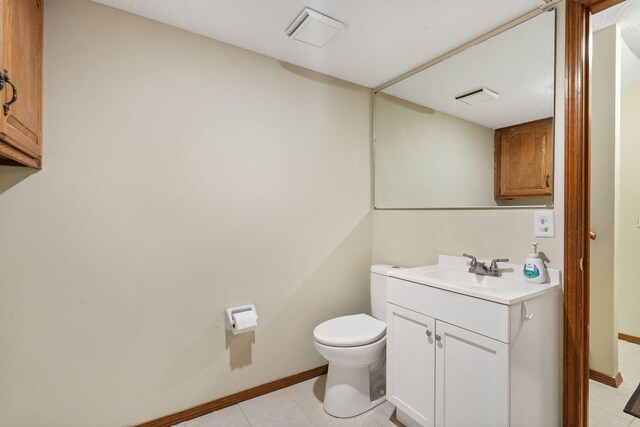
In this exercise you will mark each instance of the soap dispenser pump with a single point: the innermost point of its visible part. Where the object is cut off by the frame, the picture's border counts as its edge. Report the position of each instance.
(534, 270)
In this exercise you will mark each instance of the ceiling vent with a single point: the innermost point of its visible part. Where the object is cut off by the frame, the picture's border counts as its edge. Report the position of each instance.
(314, 28)
(477, 96)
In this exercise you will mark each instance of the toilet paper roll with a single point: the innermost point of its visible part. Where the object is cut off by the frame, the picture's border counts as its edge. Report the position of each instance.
(244, 321)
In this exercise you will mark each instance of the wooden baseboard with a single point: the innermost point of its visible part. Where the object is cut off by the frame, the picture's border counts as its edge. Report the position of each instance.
(606, 379)
(224, 402)
(629, 338)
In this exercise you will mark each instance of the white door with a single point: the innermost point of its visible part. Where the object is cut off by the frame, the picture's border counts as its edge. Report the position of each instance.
(472, 379)
(411, 363)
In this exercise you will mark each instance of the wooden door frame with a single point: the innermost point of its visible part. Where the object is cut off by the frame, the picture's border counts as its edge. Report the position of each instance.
(577, 209)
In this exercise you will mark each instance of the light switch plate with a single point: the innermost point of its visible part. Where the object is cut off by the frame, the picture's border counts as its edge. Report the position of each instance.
(543, 224)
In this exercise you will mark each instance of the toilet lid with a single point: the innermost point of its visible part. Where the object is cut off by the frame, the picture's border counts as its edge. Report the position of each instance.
(350, 331)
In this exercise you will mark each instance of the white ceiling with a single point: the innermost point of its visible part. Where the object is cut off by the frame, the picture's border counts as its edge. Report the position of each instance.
(518, 64)
(384, 38)
(627, 16)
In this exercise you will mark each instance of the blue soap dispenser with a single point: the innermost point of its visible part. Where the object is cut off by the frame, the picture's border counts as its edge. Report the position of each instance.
(534, 270)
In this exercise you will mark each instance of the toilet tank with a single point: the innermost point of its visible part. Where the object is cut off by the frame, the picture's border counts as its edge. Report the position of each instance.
(378, 283)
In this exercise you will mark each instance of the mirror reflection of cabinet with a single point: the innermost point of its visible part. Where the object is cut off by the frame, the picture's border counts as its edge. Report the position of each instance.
(524, 160)
(434, 129)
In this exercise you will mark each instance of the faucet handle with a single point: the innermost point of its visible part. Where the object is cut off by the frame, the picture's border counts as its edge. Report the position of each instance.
(494, 263)
(473, 262)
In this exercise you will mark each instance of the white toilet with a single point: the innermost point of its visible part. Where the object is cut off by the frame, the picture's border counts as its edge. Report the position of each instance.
(355, 348)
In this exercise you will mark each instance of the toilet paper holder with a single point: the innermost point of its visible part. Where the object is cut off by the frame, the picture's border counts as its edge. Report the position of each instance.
(229, 323)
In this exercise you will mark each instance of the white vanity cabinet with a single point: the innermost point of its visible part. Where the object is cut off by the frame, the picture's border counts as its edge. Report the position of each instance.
(472, 378)
(411, 363)
(455, 360)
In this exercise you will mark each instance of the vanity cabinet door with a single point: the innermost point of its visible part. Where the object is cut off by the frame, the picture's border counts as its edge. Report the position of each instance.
(472, 379)
(410, 363)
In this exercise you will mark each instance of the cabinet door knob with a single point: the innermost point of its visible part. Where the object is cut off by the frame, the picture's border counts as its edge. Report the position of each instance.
(428, 333)
(526, 314)
(438, 338)
(4, 77)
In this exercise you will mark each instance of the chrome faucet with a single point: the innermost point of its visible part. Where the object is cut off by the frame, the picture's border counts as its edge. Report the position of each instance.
(481, 268)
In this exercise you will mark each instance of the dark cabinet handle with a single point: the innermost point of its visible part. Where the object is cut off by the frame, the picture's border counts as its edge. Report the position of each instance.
(4, 78)
(547, 180)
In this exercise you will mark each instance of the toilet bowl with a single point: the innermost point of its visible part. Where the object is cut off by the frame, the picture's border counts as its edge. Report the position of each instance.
(355, 348)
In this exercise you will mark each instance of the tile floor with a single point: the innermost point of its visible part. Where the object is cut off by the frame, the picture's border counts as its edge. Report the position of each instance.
(301, 405)
(606, 403)
(297, 406)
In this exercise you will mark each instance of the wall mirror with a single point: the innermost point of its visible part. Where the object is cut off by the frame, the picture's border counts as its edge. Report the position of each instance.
(474, 130)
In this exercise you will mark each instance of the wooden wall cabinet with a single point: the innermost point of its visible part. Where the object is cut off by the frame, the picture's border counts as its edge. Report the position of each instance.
(21, 57)
(524, 160)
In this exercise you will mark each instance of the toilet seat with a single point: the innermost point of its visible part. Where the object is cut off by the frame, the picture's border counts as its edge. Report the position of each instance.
(350, 331)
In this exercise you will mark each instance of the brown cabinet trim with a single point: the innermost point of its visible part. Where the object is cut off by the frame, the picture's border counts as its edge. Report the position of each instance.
(224, 402)
(9, 155)
(526, 123)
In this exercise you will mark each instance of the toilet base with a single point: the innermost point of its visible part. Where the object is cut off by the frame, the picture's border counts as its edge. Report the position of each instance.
(349, 390)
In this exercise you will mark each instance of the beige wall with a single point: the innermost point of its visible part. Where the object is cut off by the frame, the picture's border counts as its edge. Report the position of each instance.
(427, 158)
(628, 244)
(412, 238)
(605, 132)
(181, 176)
(416, 237)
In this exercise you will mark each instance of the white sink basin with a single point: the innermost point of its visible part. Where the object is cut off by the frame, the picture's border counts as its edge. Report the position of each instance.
(452, 274)
(464, 278)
